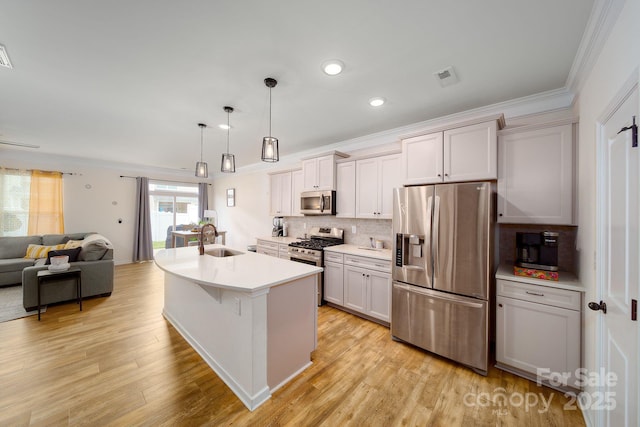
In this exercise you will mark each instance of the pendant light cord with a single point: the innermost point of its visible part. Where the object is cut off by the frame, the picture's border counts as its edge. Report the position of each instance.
(269, 112)
(201, 141)
(228, 130)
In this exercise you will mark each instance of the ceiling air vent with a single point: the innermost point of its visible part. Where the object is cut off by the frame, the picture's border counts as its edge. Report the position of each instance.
(446, 77)
(4, 58)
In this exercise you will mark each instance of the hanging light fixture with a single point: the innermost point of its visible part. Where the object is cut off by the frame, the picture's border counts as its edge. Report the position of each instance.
(228, 160)
(201, 166)
(269, 143)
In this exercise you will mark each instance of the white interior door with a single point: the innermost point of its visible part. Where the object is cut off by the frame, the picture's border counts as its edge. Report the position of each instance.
(619, 265)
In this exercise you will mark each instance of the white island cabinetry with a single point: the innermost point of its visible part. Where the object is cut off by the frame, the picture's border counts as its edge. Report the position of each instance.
(251, 317)
(538, 326)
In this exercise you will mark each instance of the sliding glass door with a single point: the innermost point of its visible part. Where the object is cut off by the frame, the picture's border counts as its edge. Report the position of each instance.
(173, 206)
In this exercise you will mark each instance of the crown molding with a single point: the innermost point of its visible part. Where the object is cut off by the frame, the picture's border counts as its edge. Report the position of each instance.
(602, 19)
(31, 160)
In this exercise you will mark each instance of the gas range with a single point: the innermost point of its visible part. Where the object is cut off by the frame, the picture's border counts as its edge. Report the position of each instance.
(310, 251)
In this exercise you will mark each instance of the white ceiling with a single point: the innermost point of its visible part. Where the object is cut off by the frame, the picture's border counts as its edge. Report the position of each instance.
(128, 80)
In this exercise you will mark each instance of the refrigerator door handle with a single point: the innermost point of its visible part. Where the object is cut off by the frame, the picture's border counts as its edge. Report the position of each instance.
(438, 295)
(436, 235)
(427, 241)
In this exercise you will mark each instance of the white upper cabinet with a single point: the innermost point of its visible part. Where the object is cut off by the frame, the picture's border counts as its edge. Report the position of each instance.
(536, 176)
(471, 153)
(297, 182)
(467, 153)
(422, 159)
(319, 173)
(375, 180)
(346, 189)
(280, 185)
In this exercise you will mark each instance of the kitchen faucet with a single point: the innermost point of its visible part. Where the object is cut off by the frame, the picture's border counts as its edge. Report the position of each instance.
(201, 242)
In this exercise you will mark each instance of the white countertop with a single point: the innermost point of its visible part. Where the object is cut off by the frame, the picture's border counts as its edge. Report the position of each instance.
(249, 271)
(566, 280)
(383, 254)
(284, 240)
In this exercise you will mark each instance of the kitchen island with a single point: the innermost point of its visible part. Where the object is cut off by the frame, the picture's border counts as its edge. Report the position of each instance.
(252, 317)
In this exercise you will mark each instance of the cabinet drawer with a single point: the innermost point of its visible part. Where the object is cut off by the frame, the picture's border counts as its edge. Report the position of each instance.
(333, 257)
(268, 245)
(283, 248)
(539, 294)
(267, 251)
(372, 263)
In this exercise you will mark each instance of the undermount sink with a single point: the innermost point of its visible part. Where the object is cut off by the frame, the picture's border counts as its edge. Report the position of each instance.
(222, 252)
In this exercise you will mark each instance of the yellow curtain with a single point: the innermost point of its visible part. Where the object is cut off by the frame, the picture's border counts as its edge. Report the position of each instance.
(45, 203)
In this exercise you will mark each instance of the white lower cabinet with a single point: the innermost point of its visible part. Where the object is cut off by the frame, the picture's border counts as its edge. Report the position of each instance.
(275, 249)
(538, 331)
(333, 278)
(365, 285)
(355, 288)
(283, 251)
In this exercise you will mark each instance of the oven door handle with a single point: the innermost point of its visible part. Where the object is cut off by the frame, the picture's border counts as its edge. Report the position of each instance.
(321, 203)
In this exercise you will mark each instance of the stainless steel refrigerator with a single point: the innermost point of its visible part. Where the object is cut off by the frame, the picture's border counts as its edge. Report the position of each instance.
(443, 259)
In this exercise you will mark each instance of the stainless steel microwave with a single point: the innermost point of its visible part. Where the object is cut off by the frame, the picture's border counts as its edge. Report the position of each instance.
(318, 202)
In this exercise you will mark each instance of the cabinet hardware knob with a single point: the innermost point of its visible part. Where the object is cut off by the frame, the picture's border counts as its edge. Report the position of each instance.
(446, 174)
(499, 214)
(439, 175)
(596, 307)
(500, 305)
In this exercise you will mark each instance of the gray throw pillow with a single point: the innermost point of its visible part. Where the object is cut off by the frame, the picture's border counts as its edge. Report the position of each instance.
(93, 251)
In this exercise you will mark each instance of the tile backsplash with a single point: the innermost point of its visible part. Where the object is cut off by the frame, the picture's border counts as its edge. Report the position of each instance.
(379, 229)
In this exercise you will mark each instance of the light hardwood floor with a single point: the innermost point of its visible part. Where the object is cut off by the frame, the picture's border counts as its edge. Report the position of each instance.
(119, 362)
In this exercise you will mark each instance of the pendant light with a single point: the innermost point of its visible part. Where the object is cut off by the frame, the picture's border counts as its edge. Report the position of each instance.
(201, 167)
(269, 143)
(228, 160)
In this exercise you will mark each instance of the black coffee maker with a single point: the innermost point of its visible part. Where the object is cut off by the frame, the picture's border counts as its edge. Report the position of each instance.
(537, 250)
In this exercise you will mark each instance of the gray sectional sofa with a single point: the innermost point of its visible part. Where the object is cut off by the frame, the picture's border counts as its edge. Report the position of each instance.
(95, 261)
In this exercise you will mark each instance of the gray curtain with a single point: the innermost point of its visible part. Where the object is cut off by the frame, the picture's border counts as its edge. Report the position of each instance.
(143, 243)
(203, 199)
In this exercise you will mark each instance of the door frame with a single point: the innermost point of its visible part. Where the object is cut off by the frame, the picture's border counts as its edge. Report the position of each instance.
(601, 139)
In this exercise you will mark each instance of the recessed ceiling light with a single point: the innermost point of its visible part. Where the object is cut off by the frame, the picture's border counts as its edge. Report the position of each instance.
(377, 101)
(224, 126)
(333, 67)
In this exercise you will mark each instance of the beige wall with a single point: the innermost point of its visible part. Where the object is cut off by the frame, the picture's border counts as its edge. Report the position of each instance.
(249, 218)
(616, 63)
(99, 207)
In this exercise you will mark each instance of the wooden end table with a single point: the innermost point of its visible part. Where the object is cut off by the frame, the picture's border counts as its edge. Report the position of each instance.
(47, 276)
